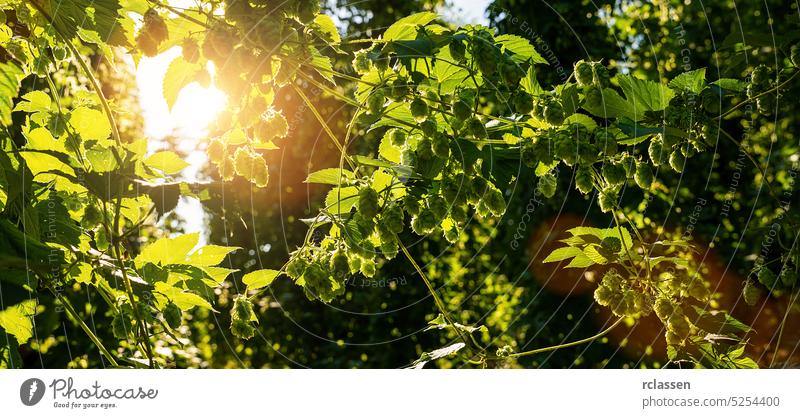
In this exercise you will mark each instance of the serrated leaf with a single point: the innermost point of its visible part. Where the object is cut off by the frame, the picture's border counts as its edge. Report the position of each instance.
(693, 81)
(325, 25)
(581, 261)
(530, 84)
(183, 298)
(388, 151)
(180, 73)
(448, 74)
(9, 87)
(731, 84)
(328, 176)
(520, 48)
(101, 159)
(166, 161)
(341, 200)
(167, 250)
(582, 119)
(406, 28)
(322, 64)
(209, 255)
(259, 279)
(35, 101)
(644, 95)
(612, 106)
(561, 254)
(17, 320)
(90, 124)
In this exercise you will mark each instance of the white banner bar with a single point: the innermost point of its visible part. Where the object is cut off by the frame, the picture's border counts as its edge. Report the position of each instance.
(399, 393)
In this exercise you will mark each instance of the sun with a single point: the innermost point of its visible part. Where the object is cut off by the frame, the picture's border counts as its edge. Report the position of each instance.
(195, 108)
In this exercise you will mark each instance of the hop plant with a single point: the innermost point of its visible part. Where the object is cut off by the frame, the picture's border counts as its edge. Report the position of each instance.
(614, 173)
(547, 185)
(664, 308)
(601, 76)
(583, 179)
(375, 102)
(397, 137)
(419, 109)
(677, 161)
(554, 113)
(461, 109)
(657, 152)
(440, 144)
(794, 55)
(339, 263)
(429, 127)
(368, 202)
(244, 161)
(767, 278)
(190, 50)
(476, 128)
(584, 73)
(152, 34)
(242, 309)
(121, 325)
(424, 223)
(643, 176)
(361, 62)
(751, 293)
(458, 50)
(242, 329)
(607, 199)
(522, 102)
(611, 244)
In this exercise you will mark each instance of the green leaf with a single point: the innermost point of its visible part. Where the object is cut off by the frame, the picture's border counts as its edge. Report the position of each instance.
(325, 25)
(341, 200)
(17, 320)
(612, 106)
(92, 37)
(168, 250)
(563, 253)
(100, 16)
(183, 298)
(730, 84)
(328, 176)
(322, 64)
(166, 161)
(101, 158)
(180, 73)
(449, 75)
(387, 151)
(210, 255)
(644, 95)
(581, 262)
(520, 49)
(259, 279)
(90, 124)
(582, 119)
(693, 81)
(531, 84)
(10, 76)
(406, 28)
(35, 101)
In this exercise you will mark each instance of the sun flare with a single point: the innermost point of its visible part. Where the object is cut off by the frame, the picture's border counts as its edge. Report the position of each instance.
(195, 108)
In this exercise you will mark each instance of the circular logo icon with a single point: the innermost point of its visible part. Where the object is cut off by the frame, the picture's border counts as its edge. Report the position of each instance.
(31, 391)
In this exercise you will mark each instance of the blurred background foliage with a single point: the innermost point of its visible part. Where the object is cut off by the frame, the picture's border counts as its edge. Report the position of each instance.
(493, 275)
